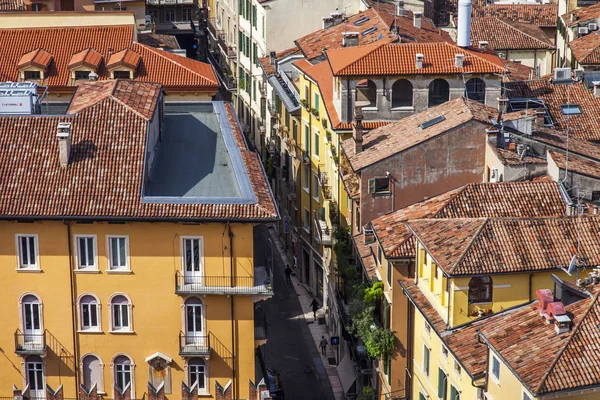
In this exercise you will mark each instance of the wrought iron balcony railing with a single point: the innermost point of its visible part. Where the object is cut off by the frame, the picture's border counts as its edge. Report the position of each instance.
(193, 345)
(259, 284)
(30, 343)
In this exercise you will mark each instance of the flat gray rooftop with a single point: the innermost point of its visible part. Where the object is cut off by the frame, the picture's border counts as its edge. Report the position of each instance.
(198, 160)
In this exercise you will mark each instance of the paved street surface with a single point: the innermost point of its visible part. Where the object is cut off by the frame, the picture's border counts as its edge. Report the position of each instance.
(290, 348)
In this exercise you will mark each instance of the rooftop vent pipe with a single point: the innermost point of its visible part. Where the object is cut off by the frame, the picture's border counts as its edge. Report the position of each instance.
(464, 23)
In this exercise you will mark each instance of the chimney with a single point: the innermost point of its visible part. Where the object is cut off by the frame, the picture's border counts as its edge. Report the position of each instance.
(337, 17)
(399, 8)
(328, 22)
(417, 16)
(502, 105)
(63, 133)
(464, 23)
(273, 59)
(357, 129)
(539, 117)
(596, 88)
(350, 39)
(459, 60)
(556, 312)
(419, 61)
(483, 45)
(544, 297)
(492, 134)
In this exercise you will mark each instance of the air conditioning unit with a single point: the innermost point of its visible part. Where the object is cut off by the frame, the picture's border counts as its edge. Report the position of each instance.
(592, 26)
(583, 30)
(562, 74)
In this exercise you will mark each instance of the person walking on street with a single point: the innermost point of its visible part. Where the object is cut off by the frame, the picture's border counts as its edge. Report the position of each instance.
(315, 307)
(323, 345)
(288, 275)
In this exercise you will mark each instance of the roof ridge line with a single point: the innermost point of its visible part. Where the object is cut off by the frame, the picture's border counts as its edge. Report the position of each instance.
(113, 97)
(562, 351)
(376, 46)
(518, 30)
(452, 199)
(470, 53)
(462, 256)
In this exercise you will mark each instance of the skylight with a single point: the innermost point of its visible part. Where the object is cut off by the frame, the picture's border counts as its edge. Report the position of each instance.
(432, 122)
(570, 109)
(361, 21)
(373, 29)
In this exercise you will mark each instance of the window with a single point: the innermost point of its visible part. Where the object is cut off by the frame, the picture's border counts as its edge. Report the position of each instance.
(495, 369)
(187, 14)
(480, 289)
(402, 93)
(32, 318)
(316, 187)
(169, 15)
(316, 105)
(595, 195)
(439, 92)
(435, 271)
(316, 143)
(35, 376)
(526, 396)
(454, 393)
(306, 93)
(32, 75)
(89, 317)
(570, 109)
(120, 307)
(306, 138)
(445, 352)
(306, 179)
(122, 372)
(366, 94)
(475, 89)
(197, 373)
(121, 75)
(379, 255)
(82, 75)
(379, 185)
(28, 250)
(295, 131)
(36, 7)
(306, 220)
(92, 372)
(442, 381)
(427, 329)
(117, 247)
(86, 252)
(426, 354)
(457, 367)
(254, 16)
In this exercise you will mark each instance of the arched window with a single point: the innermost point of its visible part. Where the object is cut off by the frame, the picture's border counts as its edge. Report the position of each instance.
(475, 89)
(91, 368)
(197, 372)
(123, 372)
(480, 289)
(31, 316)
(34, 369)
(89, 313)
(121, 316)
(439, 92)
(402, 93)
(366, 94)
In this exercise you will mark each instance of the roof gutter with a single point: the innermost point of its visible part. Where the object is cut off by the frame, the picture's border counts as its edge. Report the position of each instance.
(138, 219)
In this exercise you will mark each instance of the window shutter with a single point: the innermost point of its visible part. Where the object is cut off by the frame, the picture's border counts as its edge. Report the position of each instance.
(371, 185)
(441, 384)
(421, 396)
(453, 393)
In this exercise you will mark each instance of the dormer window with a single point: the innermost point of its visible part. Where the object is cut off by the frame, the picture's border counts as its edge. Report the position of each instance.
(123, 64)
(81, 75)
(85, 62)
(33, 65)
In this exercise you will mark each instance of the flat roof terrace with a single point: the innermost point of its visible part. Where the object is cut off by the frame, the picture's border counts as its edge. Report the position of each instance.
(197, 159)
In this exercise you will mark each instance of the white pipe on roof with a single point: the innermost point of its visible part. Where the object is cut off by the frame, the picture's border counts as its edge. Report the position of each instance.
(464, 23)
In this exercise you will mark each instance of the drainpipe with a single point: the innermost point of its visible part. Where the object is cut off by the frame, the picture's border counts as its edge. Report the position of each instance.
(530, 284)
(73, 311)
(233, 358)
(448, 290)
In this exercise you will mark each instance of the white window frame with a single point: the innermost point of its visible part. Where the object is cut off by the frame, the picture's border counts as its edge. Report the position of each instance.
(495, 378)
(426, 372)
(36, 249)
(26, 372)
(80, 305)
(109, 268)
(201, 255)
(317, 144)
(427, 328)
(206, 390)
(112, 328)
(444, 354)
(81, 268)
(114, 375)
(525, 395)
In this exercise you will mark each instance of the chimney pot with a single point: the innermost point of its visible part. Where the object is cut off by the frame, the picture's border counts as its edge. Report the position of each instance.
(399, 8)
(273, 59)
(483, 45)
(337, 17)
(417, 16)
(328, 22)
(419, 61)
(596, 88)
(350, 39)
(357, 129)
(459, 60)
(63, 133)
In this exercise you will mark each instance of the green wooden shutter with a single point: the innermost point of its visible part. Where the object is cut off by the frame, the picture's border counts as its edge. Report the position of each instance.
(453, 393)
(372, 190)
(441, 384)
(422, 396)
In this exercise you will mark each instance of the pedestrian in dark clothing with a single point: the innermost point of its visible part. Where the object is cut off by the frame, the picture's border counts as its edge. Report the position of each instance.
(315, 307)
(323, 345)
(288, 275)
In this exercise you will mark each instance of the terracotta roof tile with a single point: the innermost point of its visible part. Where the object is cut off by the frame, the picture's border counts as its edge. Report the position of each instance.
(503, 35)
(581, 15)
(494, 246)
(11, 5)
(105, 175)
(126, 57)
(398, 136)
(399, 59)
(510, 157)
(518, 72)
(265, 62)
(63, 43)
(576, 146)
(584, 126)
(577, 165)
(87, 57)
(542, 15)
(586, 49)
(367, 255)
(167, 42)
(39, 58)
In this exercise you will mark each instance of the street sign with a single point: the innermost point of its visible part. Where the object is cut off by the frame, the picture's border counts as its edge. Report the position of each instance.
(335, 340)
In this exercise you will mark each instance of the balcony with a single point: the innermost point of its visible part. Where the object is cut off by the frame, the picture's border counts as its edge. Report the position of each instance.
(324, 182)
(259, 284)
(27, 344)
(194, 346)
(322, 231)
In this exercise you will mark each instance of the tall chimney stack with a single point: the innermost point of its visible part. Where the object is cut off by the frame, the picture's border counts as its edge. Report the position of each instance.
(464, 23)
(357, 129)
(63, 133)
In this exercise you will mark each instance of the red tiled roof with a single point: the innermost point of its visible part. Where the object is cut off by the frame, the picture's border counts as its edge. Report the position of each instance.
(403, 134)
(471, 246)
(265, 62)
(586, 49)
(503, 35)
(554, 139)
(399, 59)
(126, 57)
(576, 165)
(367, 255)
(510, 157)
(63, 43)
(11, 5)
(582, 14)
(105, 175)
(584, 126)
(167, 42)
(475, 200)
(518, 72)
(39, 58)
(545, 361)
(87, 57)
(542, 15)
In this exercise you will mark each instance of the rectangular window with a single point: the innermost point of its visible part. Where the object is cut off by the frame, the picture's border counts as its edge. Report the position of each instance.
(379, 185)
(306, 179)
(426, 355)
(306, 138)
(254, 54)
(287, 118)
(120, 316)
(123, 375)
(121, 75)
(35, 376)
(117, 247)
(457, 367)
(27, 248)
(192, 251)
(316, 144)
(316, 105)
(307, 94)
(89, 316)
(445, 352)
(306, 219)
(595, 195)
(254, 16)
(169, 15)
(187, 14)
(389, 274)
(82, 75)
(33, 75)
(254, 90)
(442, 380)
(316, 187)
(86, 252)
(427, 329)
(454, 393)
(495, 368)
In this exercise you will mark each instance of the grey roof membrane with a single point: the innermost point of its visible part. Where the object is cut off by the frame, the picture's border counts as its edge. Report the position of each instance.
(198, 160)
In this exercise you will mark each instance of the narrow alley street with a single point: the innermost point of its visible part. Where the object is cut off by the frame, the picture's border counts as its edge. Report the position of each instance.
(290, 349)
